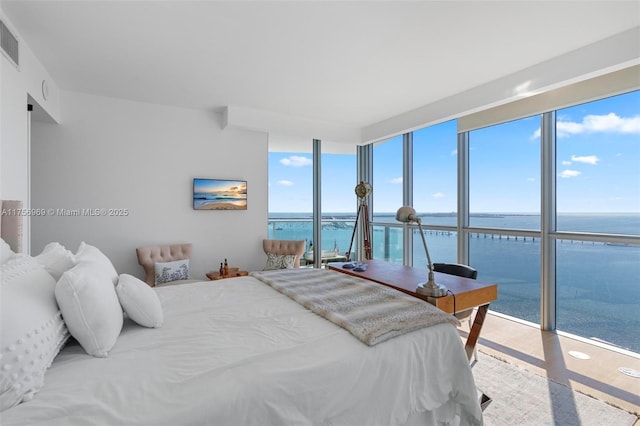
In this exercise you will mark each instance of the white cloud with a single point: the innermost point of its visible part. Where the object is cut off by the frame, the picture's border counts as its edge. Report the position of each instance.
(610, 123)
(566, 162)
(296, 161)
(285, 183)
(589, 159)
(535, 135)
(438, 195)
(454, 152)
(569, 173)
(566, 128)
(531, 179)
(397, 180)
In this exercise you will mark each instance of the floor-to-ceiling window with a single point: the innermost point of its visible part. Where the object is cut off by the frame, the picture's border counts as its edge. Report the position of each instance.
(387, 198)
(435, 190)
(504, 197)
(291, 200)
(338, 204)
(290, 196)
(598, 203)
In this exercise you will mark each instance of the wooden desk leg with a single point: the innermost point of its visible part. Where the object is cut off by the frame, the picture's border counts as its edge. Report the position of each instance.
(474, 333)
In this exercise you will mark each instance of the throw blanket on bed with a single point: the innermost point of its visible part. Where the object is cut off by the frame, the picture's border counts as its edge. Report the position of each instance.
(371, 312)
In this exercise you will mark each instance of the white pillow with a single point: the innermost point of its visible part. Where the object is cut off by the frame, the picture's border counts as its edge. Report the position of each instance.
(90, 307)
(280, 261)
(31, 327)
(87, 253)
(5, 251)
(56, 259)
(139, 301)
(172, 271)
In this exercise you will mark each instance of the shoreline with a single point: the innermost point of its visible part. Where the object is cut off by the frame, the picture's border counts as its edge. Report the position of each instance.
(221, 206)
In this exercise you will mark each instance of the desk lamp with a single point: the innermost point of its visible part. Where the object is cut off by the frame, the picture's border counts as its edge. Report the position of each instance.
(408, 214)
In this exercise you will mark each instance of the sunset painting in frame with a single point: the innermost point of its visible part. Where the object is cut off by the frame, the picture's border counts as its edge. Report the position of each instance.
(219, 194)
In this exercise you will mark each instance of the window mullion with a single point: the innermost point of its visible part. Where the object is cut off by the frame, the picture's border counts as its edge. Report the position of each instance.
(463, 197)
(407, 195)
(317, 203)
(548, 222)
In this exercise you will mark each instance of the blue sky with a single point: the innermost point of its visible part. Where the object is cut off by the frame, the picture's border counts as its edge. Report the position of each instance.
(219, 186)
(598, 167)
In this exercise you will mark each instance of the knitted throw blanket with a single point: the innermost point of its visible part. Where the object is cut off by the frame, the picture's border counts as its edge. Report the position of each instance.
(370, 311)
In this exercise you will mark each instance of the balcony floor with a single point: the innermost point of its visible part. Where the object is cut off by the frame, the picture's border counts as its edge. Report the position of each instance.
(547, 354)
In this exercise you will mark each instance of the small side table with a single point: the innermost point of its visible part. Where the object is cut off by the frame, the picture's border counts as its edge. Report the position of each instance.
(233, 273)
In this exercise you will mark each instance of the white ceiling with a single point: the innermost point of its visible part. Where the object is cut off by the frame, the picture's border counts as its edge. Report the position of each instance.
(351, 63)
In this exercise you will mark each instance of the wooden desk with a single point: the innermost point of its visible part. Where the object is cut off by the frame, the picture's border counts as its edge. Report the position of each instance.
(468, 293)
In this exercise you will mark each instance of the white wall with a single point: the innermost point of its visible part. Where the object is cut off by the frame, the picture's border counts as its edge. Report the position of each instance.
(16, 87)
(111, 153)
(13, 133)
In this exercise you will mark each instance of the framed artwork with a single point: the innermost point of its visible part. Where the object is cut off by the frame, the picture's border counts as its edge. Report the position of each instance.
(219, 194)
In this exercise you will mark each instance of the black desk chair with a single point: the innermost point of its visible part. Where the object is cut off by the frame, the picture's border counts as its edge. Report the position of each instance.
(464, 271)
(458, 269)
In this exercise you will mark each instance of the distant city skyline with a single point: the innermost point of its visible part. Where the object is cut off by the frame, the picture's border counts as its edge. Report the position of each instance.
(598, 167)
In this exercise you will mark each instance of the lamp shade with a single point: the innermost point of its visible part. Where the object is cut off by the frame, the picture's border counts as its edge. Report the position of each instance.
(406, 214)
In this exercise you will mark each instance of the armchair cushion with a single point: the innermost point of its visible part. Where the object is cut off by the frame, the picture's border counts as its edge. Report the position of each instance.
(149, 256)
(283, 247)
(279, 261)
(172, 271)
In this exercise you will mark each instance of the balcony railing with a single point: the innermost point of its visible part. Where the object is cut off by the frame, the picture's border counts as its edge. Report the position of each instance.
(336, 235)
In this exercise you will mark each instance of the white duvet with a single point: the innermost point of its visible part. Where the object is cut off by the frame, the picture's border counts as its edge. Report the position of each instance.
(236, 352)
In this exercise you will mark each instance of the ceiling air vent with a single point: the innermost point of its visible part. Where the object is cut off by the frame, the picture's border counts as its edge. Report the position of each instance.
(9, 44)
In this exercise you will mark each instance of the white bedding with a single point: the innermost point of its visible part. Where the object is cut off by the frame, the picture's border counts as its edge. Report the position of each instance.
(236, 352)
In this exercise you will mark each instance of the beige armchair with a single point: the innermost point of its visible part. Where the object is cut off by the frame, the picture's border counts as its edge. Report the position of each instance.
(285, 247)
(149, 256)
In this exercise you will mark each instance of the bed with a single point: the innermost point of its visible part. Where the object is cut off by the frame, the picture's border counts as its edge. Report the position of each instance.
(240, 352)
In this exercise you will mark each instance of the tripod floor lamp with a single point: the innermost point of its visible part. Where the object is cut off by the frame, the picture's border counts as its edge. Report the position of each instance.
(363, 189)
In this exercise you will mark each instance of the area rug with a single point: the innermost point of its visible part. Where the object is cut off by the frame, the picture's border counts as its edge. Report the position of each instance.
(520, 397)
